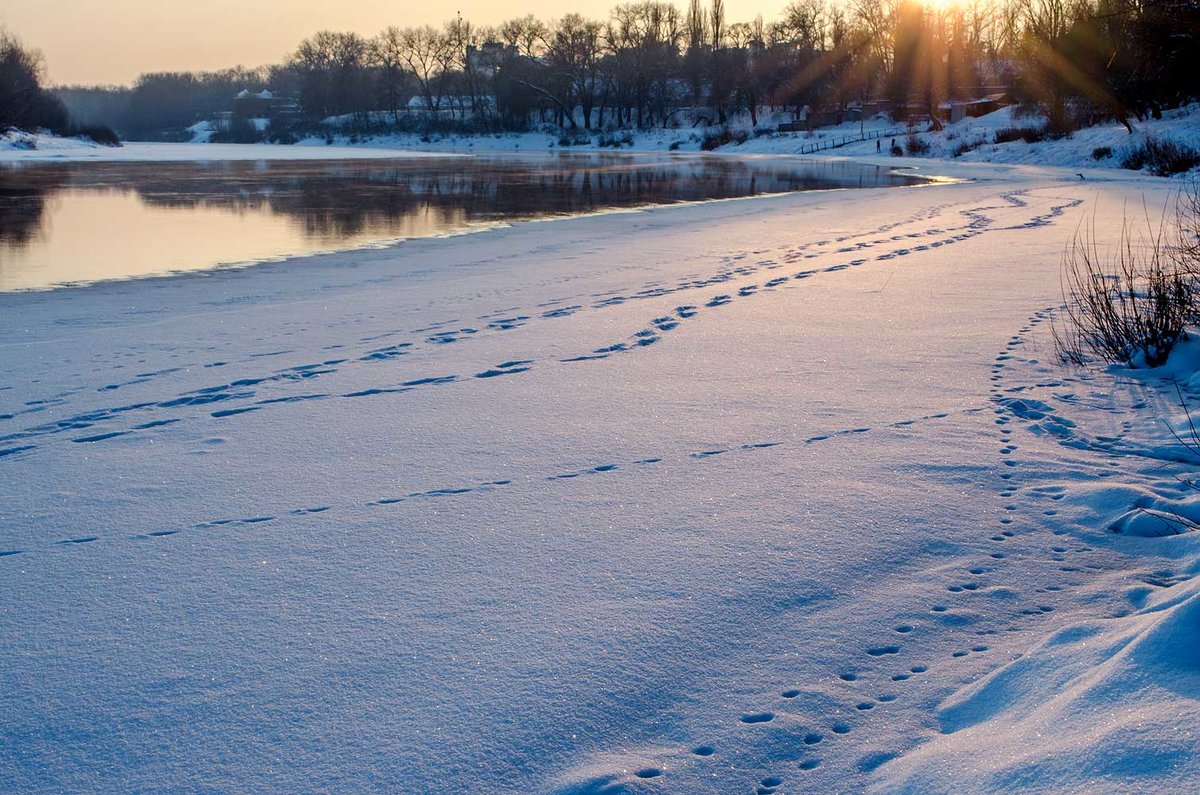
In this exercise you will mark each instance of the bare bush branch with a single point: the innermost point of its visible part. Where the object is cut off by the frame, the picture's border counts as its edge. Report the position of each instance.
(1128, 305)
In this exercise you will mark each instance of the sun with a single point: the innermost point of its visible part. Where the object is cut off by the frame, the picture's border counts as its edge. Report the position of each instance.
(942, 6)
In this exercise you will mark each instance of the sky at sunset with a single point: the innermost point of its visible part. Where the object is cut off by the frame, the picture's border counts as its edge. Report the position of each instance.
(112, 41)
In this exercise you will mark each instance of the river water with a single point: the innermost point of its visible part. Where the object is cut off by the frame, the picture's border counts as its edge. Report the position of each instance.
(77, 223)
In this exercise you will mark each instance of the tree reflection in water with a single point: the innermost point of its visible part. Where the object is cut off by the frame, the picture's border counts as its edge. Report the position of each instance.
(353, 202)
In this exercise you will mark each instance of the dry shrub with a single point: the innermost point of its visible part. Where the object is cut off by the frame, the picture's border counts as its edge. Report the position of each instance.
(1131, 304)
(1162, 157)
(1187, 228)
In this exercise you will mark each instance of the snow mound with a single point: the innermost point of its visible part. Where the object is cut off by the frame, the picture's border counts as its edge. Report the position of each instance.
(1157, 507)
(202, 132)
(602, 784)
(1149, 420)
(1114, 701)
(615, 774)
(20, 141)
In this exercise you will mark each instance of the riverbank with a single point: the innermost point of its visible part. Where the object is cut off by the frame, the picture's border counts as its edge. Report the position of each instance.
(772, 494)
(972, 140)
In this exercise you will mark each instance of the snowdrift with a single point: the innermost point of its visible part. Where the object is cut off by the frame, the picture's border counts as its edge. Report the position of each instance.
(1115, 701)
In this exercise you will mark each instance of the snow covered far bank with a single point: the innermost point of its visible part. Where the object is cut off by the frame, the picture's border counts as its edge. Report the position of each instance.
(1077, 151)
(970, 141)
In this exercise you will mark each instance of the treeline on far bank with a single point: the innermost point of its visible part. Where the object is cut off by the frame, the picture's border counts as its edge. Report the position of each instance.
(655, 64)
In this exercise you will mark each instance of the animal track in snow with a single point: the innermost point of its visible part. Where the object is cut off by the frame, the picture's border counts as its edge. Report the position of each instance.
(758, 717)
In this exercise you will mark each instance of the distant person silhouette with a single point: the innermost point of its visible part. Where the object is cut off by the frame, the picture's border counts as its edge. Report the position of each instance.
(878, 145)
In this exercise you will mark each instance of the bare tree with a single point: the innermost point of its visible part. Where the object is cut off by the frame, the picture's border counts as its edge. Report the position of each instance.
(427, 54)
(24, 102)
(21, 92)
(332, 68)
(574, 53)
(528, 34)
(877, 18)
(804, 23)
(716, 23)
(387, 56)
(695, 57)
(643, 39)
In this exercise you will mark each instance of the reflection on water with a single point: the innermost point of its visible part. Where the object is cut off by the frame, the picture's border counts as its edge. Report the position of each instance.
(84, 222)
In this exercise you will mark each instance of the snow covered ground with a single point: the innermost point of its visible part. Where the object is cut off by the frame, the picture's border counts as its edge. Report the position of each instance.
(775, 495)
(1181, 125)
(1077, 151)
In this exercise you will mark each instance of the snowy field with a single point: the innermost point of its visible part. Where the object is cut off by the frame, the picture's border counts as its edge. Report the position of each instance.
(767, 496)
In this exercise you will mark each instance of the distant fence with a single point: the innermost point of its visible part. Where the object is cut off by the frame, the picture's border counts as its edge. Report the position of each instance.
(842, 140)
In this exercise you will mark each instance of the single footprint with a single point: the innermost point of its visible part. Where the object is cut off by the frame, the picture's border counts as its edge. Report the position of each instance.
(758, 717)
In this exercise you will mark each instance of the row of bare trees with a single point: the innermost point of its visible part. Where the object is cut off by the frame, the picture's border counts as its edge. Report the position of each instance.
(650, 59)
(654, 63)
(647, 61)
